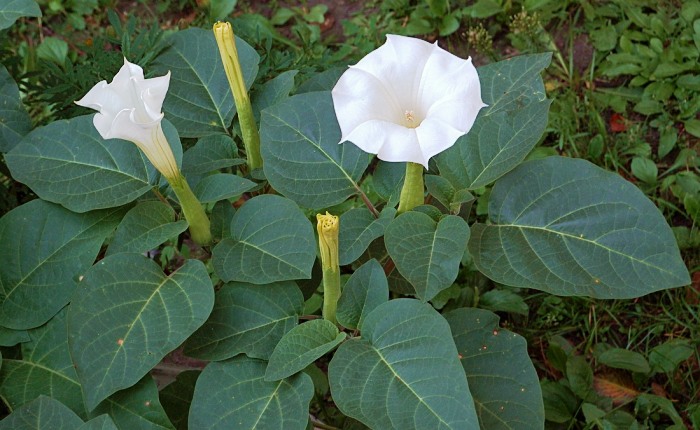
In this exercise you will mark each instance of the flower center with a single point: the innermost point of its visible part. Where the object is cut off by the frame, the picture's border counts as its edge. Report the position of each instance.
(410, 119)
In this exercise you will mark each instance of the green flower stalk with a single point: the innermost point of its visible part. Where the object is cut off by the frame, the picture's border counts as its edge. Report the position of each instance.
(130, 109)
(328, 226)
(229, 56)
(413, 192)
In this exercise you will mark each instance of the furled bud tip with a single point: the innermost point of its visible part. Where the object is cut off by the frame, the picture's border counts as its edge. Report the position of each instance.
(328, 227)
(225, 40)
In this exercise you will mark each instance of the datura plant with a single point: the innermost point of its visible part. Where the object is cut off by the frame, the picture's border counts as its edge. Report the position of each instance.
(336, 282)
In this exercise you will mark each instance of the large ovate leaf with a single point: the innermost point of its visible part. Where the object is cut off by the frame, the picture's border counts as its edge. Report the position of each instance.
(366, 289)
(176, 398)
(14, 119)
(427, 253)
(10, 337)
(45, 248)
(273, 91)
(45, 369)
(403, 373)
(12, 10)
(568, 227)
(136, 408)
(37, 414)
(144, 227)
(507, 129)
(126, 315)
(237, 386)
(502, 379)
(248, 319)
(301, 346)
(358, 228)
(103, 422)
(209, 154)
(302, 157)
(271, 241)
(221, 186)
(68, 162)
(199, 100)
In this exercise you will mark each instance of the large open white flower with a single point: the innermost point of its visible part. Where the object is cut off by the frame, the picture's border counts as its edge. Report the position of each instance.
(408, 100)
(130, 109)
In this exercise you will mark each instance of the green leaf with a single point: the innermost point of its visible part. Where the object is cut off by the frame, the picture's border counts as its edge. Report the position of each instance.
(300, 132)
(580, 377)
(221, 217)
(273, 91)
(68, 162)
(366, 289)
(301, 346)
(209, 154)
(176, 398)
(403, 373)
(15, 121)
(358, 228)
(45, 248)
(619, 358)
(484, 9)
(222, 186)
(103, 422)
(271, 241)
(10, 337)
(12, 10)
(145, 227)
(667, 356)
(505, 131)
(237, 387)
(45, 369)
(220, 9)
(136, 408)
(502, 379)
(427, 253)
(53, 49)
(199, 101)
(692, 126)
(35, 415)
(503, 301)
(323, 81)
(248, 319)
(560, 404)
(644, 169)
(568, 227)
(126, 316)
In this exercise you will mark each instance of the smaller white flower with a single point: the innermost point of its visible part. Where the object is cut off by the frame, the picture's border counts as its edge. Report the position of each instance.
(408, 100)
(130, 109)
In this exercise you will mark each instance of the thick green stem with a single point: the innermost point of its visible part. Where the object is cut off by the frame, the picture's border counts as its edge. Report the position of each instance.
(331, 293)
(249, 132)
(200, 229)
(413, 191)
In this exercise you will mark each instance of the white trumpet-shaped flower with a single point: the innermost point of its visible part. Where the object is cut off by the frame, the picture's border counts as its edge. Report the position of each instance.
(130, 109)
(408, 100)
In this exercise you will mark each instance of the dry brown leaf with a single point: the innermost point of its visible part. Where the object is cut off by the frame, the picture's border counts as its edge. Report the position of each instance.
(615, 388)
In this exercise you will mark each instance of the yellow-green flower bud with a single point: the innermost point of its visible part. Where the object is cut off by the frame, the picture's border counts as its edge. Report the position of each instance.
(223, 33)
(328, 226)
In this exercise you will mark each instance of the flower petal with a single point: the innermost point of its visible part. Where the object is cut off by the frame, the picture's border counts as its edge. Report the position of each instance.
(399, 65)
(359, 97)
(450, 88)
(391, 142)
(435, 136)
(153, 93)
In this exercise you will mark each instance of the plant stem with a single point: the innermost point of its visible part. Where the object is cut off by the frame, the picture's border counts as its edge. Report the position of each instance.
(366, 201)
(200, 229)
(331, 293)
(413, 192)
